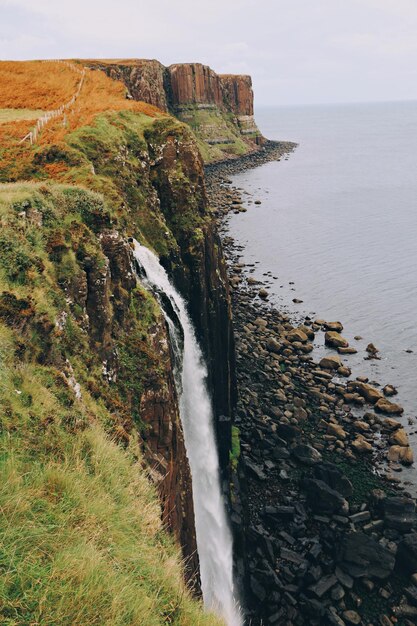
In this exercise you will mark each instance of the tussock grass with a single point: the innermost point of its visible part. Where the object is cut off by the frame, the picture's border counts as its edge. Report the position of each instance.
(80, 531)
(12, 115)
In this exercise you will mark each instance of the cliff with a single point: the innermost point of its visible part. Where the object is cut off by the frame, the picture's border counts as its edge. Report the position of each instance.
(218, 108)
(88, 367)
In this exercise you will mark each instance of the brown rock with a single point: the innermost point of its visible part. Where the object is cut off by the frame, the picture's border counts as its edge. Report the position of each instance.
(399, 438)
(389, 390)
(335, 340)
(336, 326)
(389, 408)
(330, 362)
(297, 335)
(347, 350)
(361, 445)
(336, 430)
(371, 394)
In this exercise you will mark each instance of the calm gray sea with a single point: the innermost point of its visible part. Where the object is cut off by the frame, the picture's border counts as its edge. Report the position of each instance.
(339, 220)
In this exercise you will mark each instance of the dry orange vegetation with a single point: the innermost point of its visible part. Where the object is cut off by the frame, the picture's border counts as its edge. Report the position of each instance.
(47, 85)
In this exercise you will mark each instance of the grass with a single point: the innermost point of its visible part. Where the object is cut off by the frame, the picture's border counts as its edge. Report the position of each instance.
(80, 532)
(12, 115)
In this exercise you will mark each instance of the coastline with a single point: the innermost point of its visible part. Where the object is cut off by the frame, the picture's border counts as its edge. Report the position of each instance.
(306, 469)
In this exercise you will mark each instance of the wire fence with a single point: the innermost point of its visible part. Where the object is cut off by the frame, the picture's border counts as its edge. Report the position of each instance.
(33, 135)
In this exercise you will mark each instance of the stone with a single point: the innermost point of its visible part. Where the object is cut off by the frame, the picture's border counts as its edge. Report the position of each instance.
(306, 454)
(273, 345)
(334, 477)
(400, 513)
(330, 362)
(407, 553)
(399, 437)
(335, 340)
(361, 445)
(297, 335)
(390, 424)
(336, 430)
(389, 408)
(351, 617)
(347, 350)
(322, 498)
(344, 371)
(370, 393)
(389, 390)
(335, 326)
(323, 585)
(263, 293)
(371, 349)
(362, 556)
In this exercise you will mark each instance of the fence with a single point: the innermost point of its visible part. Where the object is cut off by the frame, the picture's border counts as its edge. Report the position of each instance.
(32, 136)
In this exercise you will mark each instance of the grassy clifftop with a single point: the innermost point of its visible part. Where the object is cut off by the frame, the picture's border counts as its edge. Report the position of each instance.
(81, 345)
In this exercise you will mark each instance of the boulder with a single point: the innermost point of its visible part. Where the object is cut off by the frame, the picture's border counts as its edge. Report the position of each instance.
(296, 334)
(263, 293)
(371, 394)
(363, 557)
(334, 477)
(330, 362)
(407, 553)
(388, 408)
(347, 350)
(389, 390)
(361, 445)
(371, 349)
(336, 430)
(400, 513)
(335, 326)
(399, 437)
(306, 454)
(323, 499)
(401, 455)
(273, 345)
(335, 340)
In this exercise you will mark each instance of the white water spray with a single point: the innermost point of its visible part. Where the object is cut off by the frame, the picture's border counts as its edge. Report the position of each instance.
(214, 539)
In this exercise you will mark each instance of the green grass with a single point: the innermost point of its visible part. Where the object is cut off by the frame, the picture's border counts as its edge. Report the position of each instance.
(80, 533)
(15, 115)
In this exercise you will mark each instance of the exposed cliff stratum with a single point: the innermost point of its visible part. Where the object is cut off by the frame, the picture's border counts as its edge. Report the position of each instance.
(219, 108)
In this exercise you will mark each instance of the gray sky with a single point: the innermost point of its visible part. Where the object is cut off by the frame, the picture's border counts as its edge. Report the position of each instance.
(297, 51)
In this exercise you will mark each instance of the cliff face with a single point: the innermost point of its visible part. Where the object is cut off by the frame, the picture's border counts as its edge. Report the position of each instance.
(218, 108)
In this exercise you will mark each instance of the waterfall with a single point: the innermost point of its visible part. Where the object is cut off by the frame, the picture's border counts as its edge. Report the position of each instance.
(214, 539)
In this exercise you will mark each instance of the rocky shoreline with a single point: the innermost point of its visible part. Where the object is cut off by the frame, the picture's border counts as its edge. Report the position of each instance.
(322, 538)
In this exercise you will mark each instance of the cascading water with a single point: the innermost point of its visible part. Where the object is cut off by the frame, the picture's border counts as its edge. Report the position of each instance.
(214, 540)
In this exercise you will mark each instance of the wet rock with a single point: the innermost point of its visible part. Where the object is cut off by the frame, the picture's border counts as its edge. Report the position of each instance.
(297, 335)
(400, 454)
(263, 293)
(347, 350)
(400, 513)
(336, 430)
(334, 326)
(351, 617)
(322, 498)
(362, 556)
(371, 349)
(388, 408)
(323, 585)
(335, 340)
(399, 437)
(361, 445)
(407, 553)
(389, 390)
(370, 393)
(306, 454)
(330, 362)
(334, 477)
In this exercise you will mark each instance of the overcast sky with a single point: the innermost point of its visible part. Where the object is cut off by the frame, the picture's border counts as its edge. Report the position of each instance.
(297, 51)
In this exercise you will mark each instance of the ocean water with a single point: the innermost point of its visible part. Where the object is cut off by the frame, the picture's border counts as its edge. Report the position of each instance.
(339, 220)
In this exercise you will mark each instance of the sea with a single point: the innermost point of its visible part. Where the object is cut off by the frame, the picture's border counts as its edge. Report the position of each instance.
(337, 229)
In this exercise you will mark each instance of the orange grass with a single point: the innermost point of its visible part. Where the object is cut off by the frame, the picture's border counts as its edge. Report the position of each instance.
(47, 85)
